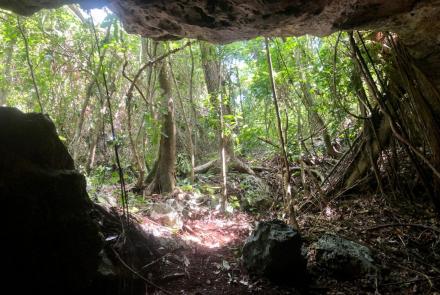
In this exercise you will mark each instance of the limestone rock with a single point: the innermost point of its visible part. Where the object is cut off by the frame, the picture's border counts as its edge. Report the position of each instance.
(53, 235)
(229, 20)
(273, 250)
(50, 241)
(257, 195)
(167, 214)
(342, 258)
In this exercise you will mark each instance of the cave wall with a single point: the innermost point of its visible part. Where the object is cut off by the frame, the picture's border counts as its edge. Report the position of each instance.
(50, 242)
(231, 20)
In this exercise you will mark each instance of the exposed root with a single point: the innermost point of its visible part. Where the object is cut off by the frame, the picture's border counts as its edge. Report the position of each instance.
(358, 161)
(234, 164)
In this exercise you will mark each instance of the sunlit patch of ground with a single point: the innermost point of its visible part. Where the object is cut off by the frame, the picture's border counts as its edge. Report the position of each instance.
(216, 230)
(213, 230)
(156, 229)
(210, 261)
(204, 256)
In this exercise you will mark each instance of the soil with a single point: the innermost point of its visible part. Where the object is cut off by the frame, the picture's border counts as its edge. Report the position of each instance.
(204, 257)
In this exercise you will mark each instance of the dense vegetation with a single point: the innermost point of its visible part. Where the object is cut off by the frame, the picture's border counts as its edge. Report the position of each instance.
(64, 65)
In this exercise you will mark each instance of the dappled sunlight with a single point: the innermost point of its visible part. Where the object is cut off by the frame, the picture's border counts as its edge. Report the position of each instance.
(214, 230)
(156, 229)
(330, 213)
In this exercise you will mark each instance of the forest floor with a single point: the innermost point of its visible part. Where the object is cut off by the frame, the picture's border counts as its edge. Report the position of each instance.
(203, 256)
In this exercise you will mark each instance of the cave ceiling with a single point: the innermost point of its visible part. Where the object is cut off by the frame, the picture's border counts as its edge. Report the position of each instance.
(416, 21)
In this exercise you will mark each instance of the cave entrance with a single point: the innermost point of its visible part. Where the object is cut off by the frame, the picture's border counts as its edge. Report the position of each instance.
(134, 164)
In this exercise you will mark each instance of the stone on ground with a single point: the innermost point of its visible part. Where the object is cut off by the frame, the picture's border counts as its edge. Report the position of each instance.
(273, 250)
(167, 214)
(342, 258)
(257, 195)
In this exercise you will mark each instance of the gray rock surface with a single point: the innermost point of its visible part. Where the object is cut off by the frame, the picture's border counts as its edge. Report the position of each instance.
(342, 258)
(273, 250)
(55, 240)
(168, 214)
(256, 192)
(229, 20)
(50, 238)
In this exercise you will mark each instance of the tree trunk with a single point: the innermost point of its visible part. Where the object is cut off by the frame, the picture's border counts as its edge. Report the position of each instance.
(223, 154)
(286, 173)
(188, 127)
(374, 138)
(213, 78)
(212, 72)
(309, 103)
(9, 51)
(75, 144)
(98, 131)
(358, 160)
(164, 179)
(30, 65)
(138, 160)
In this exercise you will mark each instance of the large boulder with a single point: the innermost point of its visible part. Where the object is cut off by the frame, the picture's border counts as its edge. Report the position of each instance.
(50, 242)
(342, 258)
(273, 250)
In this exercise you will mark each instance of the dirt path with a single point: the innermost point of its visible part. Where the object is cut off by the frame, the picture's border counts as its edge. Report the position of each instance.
(204, 258)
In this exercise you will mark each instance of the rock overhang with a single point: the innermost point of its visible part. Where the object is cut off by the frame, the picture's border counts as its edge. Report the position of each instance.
(416, 21)
(231, 20)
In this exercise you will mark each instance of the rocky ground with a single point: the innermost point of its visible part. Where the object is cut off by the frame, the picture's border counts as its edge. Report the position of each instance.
(200, 249)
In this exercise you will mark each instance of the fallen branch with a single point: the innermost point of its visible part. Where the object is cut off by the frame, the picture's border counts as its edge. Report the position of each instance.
(154, 61)
(173, 276)
(261, 168)
(269, 142)
(234, 163)
(205, 167)
(410, 281)
(156, 260)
